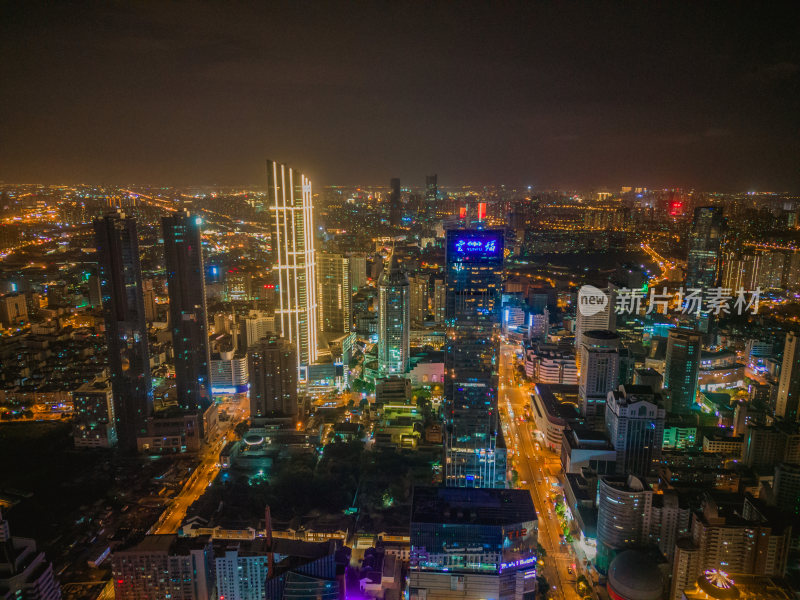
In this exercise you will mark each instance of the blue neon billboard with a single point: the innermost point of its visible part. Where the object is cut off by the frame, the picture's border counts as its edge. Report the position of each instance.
(474, 245)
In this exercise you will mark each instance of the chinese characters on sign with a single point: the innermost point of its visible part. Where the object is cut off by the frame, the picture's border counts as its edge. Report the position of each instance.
(691, 301)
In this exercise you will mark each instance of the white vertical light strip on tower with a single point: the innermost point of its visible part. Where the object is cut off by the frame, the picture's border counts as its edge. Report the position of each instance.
(310, 266)
(294, 316)
(276, 220)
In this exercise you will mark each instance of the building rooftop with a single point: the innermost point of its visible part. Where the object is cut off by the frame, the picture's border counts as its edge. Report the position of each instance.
(554, 399)
(484, 506)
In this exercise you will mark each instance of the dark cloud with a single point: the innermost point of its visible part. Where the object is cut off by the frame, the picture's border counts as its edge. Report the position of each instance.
(685, 94)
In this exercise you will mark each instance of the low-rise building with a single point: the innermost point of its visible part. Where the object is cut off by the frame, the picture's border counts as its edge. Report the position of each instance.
(472, 543)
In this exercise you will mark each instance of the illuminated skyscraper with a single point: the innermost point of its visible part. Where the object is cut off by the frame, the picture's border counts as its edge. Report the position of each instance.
(120, 275)
(475, 453)
(395, 205)
(681, 369)
(393, 321)
(334, 293)
(293, 258)
(187, 310)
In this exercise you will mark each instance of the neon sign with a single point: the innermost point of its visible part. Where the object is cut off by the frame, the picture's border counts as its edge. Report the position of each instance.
(518, 563)
(463, 246)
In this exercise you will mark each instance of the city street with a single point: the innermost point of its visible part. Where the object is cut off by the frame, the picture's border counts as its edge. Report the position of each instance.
(206, 471)
(538, 469)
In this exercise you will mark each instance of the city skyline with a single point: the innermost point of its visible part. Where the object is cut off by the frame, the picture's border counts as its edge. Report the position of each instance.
(548, 348)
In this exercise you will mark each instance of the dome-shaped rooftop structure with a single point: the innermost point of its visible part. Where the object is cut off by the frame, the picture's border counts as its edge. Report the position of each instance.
(633, 576)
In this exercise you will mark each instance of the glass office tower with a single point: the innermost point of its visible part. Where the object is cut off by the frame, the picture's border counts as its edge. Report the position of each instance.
(120, 275)
(394, 311)
(475, 452)
(186, 287)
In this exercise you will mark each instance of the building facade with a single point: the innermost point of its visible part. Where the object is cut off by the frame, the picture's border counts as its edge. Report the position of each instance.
(294, 262)
(472, 543)
(273, 378)
(393, 321)
(334, 293)
(164, 566)
(681, 370)
(599, 372)
(120, 275)
(635, 424)
(474, 266)
(183, 253)
(788, 399)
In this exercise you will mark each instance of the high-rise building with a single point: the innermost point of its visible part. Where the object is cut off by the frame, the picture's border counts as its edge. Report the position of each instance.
(702, 263)
(624, 509)
(149, 299)
(254, 326)
(94, 425)
(126, 331)
(439, 301)
(788, 398)
(670, 519)
(164, 566)
(358, 271)
(739, 271)
(25, 574)
(475, 452)
(13, 310)
(95, 295)
(599, 372)
(395, 204)
(770, 270)
(229, 373)
(787, 488)
(681, 369)
(764, 446)
(393, 321)
(334, 292)
(431, 189)
(603, 320)
(273, 378)
(293, 258)
(730, 533)
(635, 424)
(183, 253)
(418, 286)
(242, 569)
(472, 543)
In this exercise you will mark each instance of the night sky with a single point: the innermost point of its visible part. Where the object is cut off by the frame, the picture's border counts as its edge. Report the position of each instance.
(570, 95)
